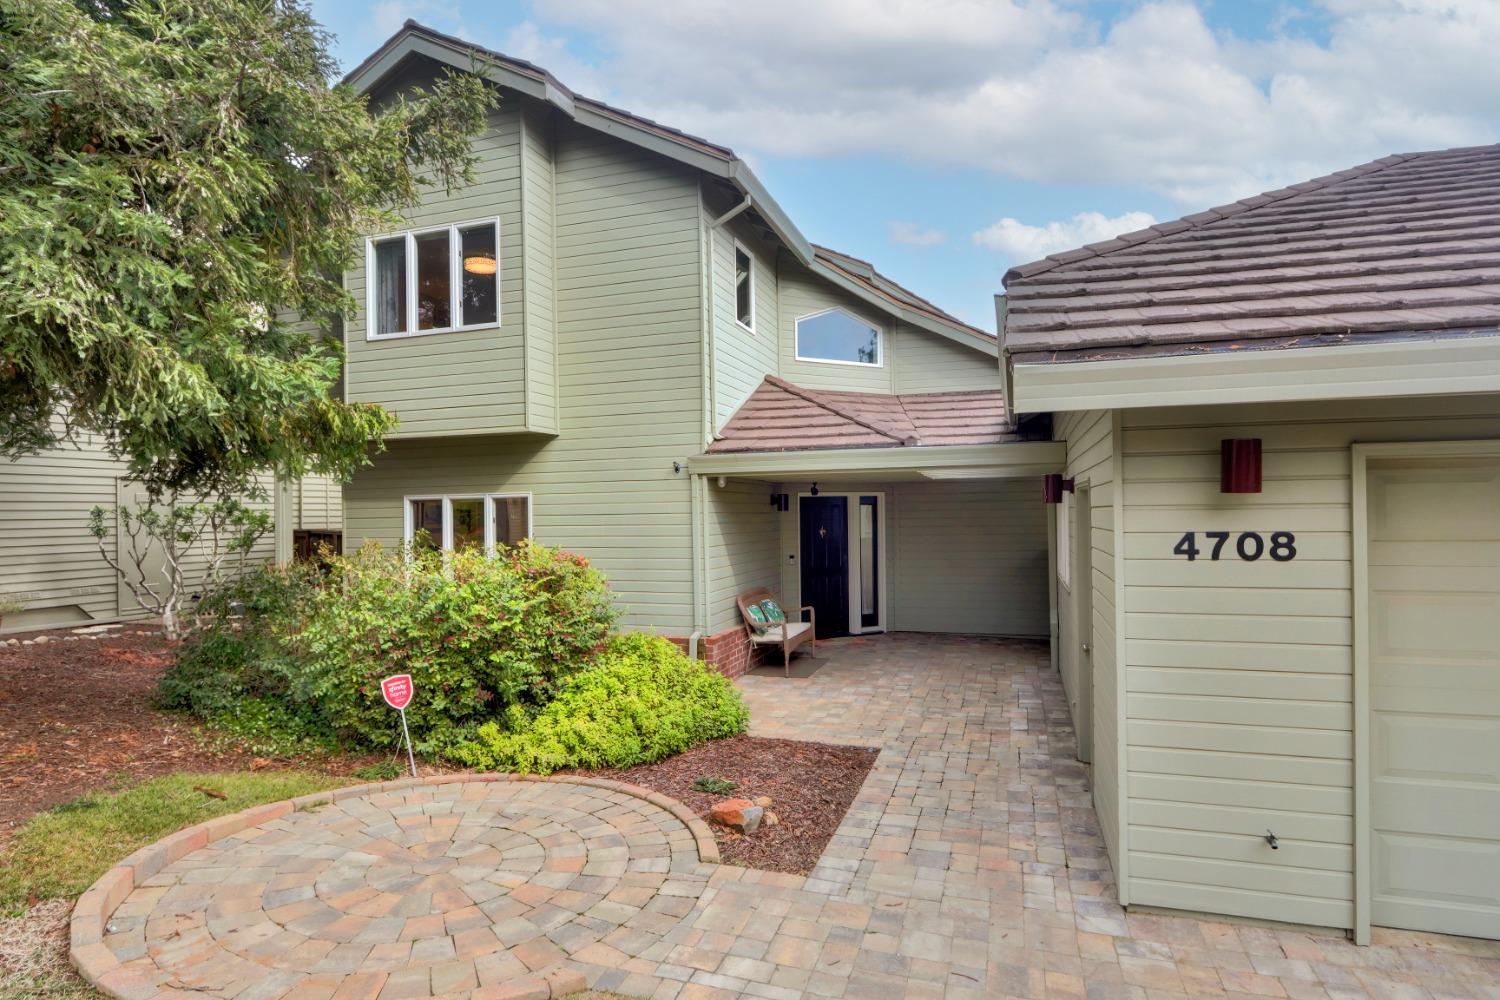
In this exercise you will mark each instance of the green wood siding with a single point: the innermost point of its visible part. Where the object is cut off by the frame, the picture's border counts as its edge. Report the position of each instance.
(744, 541)
(471, 382)
(970, 558)
(1091, 444)
(538, 190)
(628, 321)
(48, 559)
(742, 358)
(1239, 674)
(926, 362)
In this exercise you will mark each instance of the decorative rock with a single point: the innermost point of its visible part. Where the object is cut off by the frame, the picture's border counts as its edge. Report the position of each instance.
(764, 801)
(771, 818)
(737, 814)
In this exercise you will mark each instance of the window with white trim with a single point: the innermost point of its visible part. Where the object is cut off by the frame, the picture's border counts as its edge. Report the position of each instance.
(744, 287)
(458, 522)
(837, 336)
(434, 280)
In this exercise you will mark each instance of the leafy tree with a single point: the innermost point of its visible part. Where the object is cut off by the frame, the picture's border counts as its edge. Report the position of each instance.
(178, 180)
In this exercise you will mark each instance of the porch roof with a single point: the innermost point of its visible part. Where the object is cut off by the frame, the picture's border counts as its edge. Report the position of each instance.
(782, 417)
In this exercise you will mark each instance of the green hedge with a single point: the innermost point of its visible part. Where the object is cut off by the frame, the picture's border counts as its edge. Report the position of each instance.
(644, 700)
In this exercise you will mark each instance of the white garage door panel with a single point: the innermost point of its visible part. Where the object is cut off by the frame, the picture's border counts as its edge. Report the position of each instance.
(1434, 642)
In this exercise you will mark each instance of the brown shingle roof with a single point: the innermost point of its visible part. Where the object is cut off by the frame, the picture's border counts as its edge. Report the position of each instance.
(780, 416)
(1408, 243)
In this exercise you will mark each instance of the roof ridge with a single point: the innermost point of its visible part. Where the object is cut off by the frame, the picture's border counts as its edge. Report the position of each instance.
(819, 400)
(1198, 220)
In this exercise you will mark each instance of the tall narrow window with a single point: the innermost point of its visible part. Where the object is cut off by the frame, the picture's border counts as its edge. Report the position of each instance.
(468, 523)
(512, 519)
(390, 287)
(427, 524)
(869, 562)
(434, 280)
(480, 300)
(744, 287)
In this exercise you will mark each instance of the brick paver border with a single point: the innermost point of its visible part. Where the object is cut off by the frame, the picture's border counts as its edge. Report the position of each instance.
(97, 964)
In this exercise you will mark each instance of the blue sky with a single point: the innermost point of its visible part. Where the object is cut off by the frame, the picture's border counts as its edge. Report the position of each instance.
(945, 140)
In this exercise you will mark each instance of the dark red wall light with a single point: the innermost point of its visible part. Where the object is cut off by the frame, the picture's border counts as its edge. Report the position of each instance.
(1054, 486)
(1239, 465)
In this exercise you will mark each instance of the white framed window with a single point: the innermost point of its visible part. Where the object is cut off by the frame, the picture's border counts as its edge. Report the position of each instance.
(456, 522)
(838, 337)
(744, 287)
(435, 280)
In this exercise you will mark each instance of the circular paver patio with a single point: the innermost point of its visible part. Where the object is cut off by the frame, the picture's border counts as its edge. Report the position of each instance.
(478, 887)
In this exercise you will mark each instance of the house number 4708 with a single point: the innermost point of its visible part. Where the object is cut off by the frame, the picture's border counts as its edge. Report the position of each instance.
(1249, 545)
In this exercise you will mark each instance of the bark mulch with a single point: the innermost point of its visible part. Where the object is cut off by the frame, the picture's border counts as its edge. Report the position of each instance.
(76, 716)
(811, 786)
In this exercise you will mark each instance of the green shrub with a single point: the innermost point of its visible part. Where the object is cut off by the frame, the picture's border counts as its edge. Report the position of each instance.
(479, 633)
(644, 700)
(232, 671)
(291, 659)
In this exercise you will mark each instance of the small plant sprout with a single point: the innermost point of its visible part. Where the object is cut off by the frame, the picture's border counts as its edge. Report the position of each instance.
(714, 786)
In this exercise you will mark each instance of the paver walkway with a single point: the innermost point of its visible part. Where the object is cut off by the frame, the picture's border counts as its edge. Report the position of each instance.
(970, 865)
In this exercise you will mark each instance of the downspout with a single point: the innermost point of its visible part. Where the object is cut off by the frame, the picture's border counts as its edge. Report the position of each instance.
(281, 518)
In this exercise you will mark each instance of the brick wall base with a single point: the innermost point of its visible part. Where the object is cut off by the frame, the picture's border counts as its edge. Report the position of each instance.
(730, 652)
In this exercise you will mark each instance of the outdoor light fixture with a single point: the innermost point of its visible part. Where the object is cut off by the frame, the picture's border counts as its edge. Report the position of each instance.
(480, 264)
(1239, 465)
(815, 489)
(781, 501)
(1054, 486)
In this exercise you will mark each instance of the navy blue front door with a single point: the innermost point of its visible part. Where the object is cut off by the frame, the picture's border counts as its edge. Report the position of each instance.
(825, 562)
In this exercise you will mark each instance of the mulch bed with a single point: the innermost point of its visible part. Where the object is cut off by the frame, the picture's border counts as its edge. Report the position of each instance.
(810, 784)
(76, 716)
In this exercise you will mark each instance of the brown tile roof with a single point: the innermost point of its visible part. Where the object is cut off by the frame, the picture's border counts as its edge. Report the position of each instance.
(780, 416)
(1408, 243)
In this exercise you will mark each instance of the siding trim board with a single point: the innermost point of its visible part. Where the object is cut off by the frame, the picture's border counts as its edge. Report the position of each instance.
(1361, 456)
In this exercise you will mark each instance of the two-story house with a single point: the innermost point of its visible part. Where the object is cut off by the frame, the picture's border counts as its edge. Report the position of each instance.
(617, 342)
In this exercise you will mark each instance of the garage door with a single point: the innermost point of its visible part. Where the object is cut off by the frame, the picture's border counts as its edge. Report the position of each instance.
(1434, 582)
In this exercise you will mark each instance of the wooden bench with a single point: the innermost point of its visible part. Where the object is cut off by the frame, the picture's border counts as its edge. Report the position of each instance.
(789, 635)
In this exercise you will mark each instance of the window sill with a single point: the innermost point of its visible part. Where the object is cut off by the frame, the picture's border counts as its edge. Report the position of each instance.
(434, 333)
(846, 364)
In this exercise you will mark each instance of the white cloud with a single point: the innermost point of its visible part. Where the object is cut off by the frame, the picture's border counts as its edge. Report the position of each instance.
(914, 234)
(1045, 92)
(1019, 242)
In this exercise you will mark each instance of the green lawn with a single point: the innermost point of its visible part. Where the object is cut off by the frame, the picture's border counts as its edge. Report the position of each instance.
(61, 852)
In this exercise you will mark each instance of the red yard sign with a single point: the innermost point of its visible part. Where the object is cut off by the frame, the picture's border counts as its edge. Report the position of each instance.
(397, 691)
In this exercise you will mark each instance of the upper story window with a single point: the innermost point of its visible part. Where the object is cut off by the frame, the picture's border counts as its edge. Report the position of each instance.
(744, 287)
(434, 280)
(838, 337)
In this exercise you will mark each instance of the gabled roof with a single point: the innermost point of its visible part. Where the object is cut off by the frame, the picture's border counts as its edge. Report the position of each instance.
(780, 416)
(719, 161)
(1407, 245)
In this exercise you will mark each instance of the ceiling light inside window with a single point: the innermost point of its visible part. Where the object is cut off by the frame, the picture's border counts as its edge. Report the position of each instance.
(479, 264)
